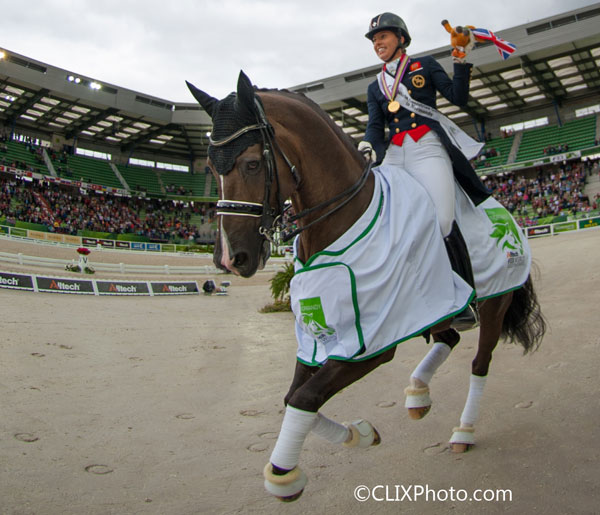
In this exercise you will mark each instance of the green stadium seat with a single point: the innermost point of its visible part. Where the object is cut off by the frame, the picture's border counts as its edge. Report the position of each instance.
(502, 145)
(87, 169)
(193, 183)
(141, 178)
(577, 134)
(18, 151)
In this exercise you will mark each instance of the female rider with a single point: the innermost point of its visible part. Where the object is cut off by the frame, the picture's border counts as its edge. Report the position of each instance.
(420, 140)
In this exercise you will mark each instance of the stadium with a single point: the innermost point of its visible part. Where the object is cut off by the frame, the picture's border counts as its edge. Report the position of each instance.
(168, 402)
(535, 111)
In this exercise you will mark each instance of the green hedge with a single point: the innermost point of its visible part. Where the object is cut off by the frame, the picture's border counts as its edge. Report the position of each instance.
(98, 234)
(191, 248)
(31, 226)
(132, 237)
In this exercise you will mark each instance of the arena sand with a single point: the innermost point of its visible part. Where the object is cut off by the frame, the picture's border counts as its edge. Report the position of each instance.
(157, 405)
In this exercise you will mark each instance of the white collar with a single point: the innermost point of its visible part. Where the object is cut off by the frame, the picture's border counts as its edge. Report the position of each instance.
(392, 67)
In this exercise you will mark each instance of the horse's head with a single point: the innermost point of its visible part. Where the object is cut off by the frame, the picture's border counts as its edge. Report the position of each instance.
(248, 203)
(321, 172)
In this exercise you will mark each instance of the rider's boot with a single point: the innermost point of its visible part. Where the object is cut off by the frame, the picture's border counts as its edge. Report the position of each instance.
(461, 264)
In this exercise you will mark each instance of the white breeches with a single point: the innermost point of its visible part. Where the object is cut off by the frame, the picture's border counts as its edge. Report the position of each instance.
(428, 162)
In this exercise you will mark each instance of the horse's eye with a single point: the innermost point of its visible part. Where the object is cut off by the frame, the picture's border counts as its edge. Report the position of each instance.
(252, 167)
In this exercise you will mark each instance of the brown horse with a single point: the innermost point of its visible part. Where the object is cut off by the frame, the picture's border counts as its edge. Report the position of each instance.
(270, 145)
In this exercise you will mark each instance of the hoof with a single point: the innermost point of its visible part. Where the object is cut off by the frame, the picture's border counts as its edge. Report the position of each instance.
(460, 448)
(376, 437)
(363, 435)
(418, 413)
(418, 402)
(291, 498)
(286, 488)
(463, 439)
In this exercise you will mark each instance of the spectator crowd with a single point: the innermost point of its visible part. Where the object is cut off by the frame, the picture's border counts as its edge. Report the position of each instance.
(68, 210)
(556, 149)
(553, 191)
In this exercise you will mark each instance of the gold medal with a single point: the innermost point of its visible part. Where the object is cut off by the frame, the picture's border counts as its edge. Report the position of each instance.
(394, 106)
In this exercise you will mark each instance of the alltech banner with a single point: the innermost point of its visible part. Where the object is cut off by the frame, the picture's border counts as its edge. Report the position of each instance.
(93, 287)
(62, 285)
(122, 288)
(169, 288)
(16, 281)
(539, 230)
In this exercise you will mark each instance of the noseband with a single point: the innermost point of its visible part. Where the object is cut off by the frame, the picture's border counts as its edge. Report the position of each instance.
(271, 218)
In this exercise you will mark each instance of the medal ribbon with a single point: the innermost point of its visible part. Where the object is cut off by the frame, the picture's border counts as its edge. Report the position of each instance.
(390, 94)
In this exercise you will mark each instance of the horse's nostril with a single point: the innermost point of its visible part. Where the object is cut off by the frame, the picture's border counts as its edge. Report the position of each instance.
(240, 259)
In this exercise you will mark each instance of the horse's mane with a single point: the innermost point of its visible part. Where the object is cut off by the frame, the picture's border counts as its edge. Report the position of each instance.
(294, 95)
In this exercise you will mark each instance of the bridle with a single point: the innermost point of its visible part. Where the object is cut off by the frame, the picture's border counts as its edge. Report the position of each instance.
(271, 218)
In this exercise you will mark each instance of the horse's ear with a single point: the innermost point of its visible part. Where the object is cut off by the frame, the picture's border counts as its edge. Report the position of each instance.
(204, 99)
(245, 92)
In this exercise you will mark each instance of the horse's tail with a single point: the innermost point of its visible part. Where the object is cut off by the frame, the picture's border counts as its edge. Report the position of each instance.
(524, 322)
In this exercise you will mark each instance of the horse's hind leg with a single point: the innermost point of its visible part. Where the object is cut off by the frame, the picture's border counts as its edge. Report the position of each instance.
(492, 313)
(283, 478)
(418, 401)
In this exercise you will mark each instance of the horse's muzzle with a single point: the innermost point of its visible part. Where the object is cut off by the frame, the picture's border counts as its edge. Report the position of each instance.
(243, 261)
(247, 264)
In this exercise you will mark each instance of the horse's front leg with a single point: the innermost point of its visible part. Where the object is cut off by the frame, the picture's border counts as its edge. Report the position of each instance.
(302, 373)
(492, 313)
(283, 477)
(418, 401)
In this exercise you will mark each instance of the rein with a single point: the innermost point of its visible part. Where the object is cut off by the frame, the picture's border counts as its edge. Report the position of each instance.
(271, 218)
(350, 192)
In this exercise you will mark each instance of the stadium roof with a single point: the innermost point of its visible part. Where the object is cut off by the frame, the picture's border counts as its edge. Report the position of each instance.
(556, 64)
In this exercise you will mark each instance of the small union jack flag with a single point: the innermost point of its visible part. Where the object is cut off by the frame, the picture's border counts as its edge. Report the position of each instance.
(504, 47)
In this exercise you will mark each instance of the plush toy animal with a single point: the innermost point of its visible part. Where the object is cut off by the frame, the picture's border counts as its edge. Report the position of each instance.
(461, 38)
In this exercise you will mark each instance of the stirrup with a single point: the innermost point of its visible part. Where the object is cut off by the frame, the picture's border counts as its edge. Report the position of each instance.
(466, 319)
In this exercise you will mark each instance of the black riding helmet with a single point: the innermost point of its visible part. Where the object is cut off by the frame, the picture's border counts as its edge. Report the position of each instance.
(391, 22)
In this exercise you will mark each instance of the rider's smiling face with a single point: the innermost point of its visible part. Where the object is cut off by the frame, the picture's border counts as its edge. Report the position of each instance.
(385, 44)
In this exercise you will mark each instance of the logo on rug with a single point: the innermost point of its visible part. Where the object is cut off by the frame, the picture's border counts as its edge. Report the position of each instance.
(313, 319)
(507, 235)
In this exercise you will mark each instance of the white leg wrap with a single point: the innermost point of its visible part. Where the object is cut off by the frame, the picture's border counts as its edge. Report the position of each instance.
(330, 430)
(438, 353)
(464, 435)
(294, 428)
(417, 397)
(287, 485)
(363, 434)
(471, 411)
